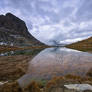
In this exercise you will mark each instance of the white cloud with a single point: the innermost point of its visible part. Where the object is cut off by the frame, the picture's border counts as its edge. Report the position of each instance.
(71, 40)
(61, 20)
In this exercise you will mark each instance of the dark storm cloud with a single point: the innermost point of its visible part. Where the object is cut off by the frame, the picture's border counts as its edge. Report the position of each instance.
(61, 20)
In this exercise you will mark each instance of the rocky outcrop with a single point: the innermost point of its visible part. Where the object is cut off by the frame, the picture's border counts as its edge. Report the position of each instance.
(13, 31)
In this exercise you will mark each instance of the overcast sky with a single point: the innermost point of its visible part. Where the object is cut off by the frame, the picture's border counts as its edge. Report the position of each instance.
(65, 21)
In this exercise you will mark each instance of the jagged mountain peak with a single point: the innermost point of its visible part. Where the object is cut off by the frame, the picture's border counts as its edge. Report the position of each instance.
(14, 30)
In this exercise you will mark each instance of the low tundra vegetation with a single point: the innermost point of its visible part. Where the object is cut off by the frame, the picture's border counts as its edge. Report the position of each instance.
(56, 82)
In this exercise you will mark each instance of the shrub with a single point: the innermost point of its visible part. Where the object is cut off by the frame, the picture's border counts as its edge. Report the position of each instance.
(11, 87)
(73, 77)
(32, 87)
(89, 73)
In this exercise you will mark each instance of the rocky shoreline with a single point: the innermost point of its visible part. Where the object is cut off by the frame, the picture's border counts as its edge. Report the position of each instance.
(68, 83)
(13, 67)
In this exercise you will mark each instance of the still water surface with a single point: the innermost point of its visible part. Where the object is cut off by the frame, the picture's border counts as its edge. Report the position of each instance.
(52, 62)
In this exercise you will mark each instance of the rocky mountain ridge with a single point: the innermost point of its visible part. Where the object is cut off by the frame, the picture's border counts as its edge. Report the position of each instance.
(13, 31)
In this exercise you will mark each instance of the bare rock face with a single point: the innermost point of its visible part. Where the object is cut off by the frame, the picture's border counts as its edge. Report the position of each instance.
(13, 31)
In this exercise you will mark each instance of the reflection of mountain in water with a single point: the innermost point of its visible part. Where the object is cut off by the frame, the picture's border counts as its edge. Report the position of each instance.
(56, 62)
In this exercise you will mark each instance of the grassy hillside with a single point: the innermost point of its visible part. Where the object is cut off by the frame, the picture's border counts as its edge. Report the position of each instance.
(84, 45)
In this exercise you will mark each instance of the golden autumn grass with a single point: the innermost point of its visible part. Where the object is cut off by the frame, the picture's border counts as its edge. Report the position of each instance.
(16, 69)
(8, 48)
(84, 45)
(13, 67)
(16, 66)
(55, 82)
(4, 48)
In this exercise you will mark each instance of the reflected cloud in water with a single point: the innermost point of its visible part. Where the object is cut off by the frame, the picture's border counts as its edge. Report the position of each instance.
(57, 62)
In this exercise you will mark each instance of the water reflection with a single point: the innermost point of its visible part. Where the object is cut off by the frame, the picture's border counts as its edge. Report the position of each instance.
(21, 52)
(56, 62)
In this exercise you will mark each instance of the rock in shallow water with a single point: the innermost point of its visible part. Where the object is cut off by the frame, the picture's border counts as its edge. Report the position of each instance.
(79, 87)
(1, 83)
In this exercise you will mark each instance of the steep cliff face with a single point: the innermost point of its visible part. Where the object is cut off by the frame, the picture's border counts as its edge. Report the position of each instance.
(13, 31)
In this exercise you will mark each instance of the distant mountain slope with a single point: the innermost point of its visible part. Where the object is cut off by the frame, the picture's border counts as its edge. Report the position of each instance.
(13, 31)
(82, 45)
